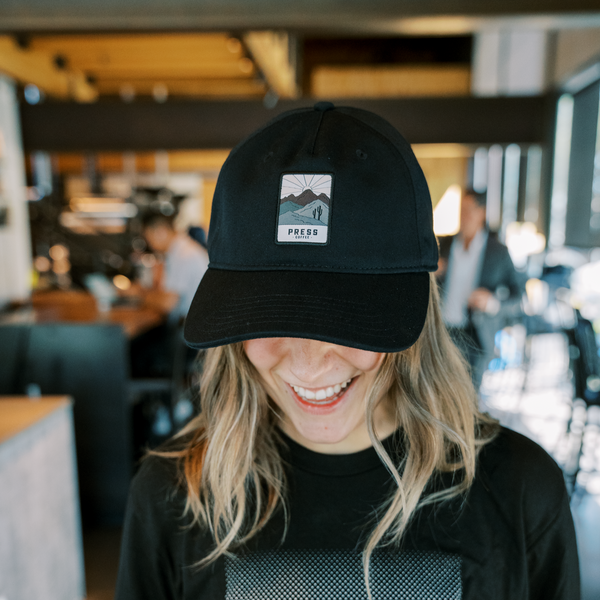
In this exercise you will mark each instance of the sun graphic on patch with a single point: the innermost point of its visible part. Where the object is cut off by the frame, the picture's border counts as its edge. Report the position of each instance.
(304, 207)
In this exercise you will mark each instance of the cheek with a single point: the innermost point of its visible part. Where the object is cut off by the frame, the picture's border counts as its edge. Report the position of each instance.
(364, 360)
(262, 353)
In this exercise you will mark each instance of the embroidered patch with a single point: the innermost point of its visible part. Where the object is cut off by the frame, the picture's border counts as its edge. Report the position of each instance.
(304, 207)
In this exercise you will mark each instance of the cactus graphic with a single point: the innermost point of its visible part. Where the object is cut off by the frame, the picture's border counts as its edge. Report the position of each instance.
(317, 212)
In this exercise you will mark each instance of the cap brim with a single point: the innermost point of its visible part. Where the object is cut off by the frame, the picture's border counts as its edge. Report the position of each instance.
(381, 313)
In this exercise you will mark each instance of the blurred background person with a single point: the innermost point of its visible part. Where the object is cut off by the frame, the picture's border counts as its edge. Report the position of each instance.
(181, 262)
(480, 288)
(180, 265)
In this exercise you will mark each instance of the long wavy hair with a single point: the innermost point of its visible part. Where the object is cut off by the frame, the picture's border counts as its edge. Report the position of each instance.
(231, 465)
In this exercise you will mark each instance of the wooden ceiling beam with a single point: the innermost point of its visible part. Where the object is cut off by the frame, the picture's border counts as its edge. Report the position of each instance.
(104, 50)
(175, 71)
(131, 40)
(40, 69)
(208, 88)
(390, 81)
(144, 60)
(272, 54)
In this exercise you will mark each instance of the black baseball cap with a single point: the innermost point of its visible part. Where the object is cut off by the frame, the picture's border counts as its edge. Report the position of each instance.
(321, 228)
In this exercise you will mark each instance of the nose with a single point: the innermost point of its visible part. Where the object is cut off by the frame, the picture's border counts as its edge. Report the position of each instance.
(310, 359)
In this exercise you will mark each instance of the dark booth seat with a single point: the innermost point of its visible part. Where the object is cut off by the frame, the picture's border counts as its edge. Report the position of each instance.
(90, 364)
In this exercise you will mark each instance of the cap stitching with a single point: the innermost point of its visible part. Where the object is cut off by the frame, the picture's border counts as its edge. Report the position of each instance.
(236, 267)
(226, 319)
(223, 326)
(233, 314)
(299, 298)
(312, 150)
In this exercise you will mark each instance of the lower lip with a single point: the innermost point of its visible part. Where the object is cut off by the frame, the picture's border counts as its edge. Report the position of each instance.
(321, 409)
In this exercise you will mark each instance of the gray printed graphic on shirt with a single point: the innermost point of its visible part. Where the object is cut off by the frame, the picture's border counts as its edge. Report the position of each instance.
(338, 574)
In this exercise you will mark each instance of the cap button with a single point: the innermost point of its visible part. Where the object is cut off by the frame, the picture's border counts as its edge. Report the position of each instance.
(323, 106)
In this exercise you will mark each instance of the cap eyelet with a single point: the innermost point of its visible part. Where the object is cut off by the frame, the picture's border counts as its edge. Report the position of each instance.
(362, 155)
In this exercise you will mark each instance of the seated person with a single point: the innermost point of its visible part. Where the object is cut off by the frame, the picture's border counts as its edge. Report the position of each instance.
(181, 265)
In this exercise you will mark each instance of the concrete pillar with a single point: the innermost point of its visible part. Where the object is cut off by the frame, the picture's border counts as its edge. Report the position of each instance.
(15, 244)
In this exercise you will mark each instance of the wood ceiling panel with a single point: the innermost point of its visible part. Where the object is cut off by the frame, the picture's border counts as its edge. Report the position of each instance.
(183, 62)
(38, 68)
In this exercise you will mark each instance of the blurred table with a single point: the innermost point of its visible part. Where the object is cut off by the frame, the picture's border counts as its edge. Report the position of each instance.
(80, 307)
(40, 532)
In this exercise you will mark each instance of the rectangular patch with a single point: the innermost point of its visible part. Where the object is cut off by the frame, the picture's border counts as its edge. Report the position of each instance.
(304, 208)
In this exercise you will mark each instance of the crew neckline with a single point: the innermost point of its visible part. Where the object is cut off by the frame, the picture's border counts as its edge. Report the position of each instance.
(338, 465)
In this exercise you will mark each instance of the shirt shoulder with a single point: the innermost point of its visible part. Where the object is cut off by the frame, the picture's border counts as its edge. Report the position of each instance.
(515, 455)
(157, 489)
(523, 480)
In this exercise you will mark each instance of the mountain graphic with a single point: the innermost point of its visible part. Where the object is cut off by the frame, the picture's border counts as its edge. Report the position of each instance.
(317, 210)
(288, 206)
(315, 213)
(306, 197)
(293, 218)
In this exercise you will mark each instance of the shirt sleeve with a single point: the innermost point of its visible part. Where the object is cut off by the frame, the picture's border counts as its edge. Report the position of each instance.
(553, 561)
(551, 546)
(529, 499)
(148, 561)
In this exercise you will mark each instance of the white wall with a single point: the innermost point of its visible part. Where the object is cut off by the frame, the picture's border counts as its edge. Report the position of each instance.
(15, 245)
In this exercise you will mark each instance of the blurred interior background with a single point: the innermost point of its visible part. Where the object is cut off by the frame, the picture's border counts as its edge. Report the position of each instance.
(113, 111)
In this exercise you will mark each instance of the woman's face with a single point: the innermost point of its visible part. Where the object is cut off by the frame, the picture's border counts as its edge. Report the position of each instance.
(321, 389)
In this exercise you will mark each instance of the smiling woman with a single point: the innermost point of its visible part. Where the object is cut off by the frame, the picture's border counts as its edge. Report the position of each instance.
(321, 390)
(339, 451)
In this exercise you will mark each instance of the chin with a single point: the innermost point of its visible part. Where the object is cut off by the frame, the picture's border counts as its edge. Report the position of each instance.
(325, 435)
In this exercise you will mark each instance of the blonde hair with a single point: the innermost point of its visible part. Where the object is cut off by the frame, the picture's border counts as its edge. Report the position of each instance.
(231, 465)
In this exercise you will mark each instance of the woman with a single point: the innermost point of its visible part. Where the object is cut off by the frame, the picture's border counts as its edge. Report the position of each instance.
(339, 452)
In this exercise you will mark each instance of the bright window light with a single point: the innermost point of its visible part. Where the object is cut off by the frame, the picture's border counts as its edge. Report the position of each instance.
(510, 197)
(446, 216)
(523, 240)
(560, 177)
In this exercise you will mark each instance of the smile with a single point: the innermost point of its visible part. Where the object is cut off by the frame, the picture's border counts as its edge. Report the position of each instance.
(326, 395)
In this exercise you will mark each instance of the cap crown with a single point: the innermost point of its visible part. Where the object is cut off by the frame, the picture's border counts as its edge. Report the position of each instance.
(379, 214)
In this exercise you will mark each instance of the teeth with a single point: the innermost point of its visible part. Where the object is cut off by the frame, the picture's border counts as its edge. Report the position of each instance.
(323, 393)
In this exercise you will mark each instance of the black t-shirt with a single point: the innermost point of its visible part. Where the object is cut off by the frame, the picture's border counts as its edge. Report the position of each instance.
(510, 538)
